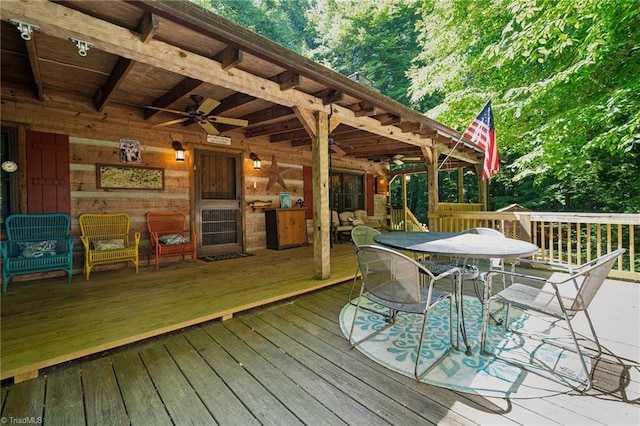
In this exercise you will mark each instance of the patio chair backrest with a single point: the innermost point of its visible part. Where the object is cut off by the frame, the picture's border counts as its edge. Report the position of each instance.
(164, 223)
(591, 279)
(390, 275)
(98, 226)
(37, 227)
(363, 235)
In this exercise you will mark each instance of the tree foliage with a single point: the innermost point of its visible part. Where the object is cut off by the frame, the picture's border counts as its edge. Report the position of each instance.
(563, 77)
(562, 74)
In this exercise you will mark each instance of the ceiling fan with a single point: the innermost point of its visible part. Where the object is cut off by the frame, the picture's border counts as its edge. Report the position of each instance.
(199, 113)
(400, 159)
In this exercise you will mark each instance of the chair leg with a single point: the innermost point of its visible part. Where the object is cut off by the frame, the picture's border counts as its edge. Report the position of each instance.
(353, 325)
(420, 376)
(579, 352)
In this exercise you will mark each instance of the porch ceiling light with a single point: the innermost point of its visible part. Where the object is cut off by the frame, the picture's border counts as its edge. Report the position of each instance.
(177, 146)
(83, 46)
(257, 164)
(24, 28)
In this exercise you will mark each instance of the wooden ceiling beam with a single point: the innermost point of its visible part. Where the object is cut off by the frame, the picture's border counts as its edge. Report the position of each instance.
(177, 92)
(60, 21)
(120, 71)
(32, 52)
(271, 129)
(276, 112)
(148, 26)
(388, 119)
(288, 80)
(229, 57)
(329, 96)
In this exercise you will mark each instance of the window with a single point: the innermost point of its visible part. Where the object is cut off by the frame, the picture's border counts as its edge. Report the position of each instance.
(8, 181)
(347, 191)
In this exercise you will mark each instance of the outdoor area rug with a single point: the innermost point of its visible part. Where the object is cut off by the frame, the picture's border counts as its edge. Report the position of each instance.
(485, 375)
(224, 256)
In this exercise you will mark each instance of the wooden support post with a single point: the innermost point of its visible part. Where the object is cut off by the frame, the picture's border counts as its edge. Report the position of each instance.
(317, 125)
(460, 185)
(432, 187)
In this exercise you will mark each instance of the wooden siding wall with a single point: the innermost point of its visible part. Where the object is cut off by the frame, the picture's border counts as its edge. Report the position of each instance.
(94, 138)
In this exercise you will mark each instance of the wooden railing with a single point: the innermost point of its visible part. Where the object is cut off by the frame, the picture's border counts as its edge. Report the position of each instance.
(569, 238)
(404, 220)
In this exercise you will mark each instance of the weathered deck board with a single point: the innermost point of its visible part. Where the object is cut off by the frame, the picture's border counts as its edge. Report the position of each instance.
(180, 399)
(275, 381)
(64, 397)
(225, 406)
(264, 406)
(285, 363)
(104, 405)
(143, 404)
(341, 404)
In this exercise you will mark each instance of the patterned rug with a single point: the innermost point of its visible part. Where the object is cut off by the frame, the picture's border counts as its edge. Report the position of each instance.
(224, 256)
(396, 349)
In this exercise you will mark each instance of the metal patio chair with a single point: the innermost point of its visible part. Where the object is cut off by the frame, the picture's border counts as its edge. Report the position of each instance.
(398, 283)
(548, 300)
(361, 235)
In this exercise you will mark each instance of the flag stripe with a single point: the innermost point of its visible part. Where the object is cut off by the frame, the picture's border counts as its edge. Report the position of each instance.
(482, 132)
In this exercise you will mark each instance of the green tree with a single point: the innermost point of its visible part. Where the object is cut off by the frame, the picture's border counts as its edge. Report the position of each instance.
(563, 77)
(375, 39)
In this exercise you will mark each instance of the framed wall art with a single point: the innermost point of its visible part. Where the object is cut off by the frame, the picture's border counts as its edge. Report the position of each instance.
(112, 176)
(285, 200)
(129, 151)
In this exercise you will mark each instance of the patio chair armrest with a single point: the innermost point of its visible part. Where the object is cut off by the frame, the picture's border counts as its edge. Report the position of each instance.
(533, 262)
(194, 235)
(136, 235)
(452, 271)
(489, 275)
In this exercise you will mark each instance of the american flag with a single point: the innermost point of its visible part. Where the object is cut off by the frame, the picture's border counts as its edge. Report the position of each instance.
(482, 133)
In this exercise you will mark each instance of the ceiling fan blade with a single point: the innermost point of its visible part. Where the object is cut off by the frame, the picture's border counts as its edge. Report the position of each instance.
(341, 152)
(210, 128)
(172, 122)
(227, 120)
(167, 110)
(207, 106)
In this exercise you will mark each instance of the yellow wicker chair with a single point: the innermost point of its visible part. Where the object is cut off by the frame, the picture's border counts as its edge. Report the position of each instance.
(106, 240)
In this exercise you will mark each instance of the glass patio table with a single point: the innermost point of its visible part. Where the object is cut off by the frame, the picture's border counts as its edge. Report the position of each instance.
(461, 245)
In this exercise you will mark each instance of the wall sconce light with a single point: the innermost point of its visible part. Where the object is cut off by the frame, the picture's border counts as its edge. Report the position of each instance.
(177, 146)
(24, 28)
(257, 164)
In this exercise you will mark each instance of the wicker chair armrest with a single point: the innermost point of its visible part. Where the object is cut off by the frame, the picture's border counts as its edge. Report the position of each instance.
(86, 242)
(136, 235)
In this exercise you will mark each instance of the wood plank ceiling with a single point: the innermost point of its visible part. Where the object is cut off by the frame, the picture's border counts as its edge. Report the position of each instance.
(157, 54)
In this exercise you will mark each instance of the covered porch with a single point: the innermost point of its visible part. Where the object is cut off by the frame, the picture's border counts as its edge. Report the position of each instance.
(256, 340)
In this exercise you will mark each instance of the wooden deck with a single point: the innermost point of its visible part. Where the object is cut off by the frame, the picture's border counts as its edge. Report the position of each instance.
(283, 364)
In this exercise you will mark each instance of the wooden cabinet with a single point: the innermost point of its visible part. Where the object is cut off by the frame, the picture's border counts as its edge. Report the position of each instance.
(285, 228)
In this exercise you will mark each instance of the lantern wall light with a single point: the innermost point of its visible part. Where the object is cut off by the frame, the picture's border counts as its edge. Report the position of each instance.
(180, 151)
(257, 164)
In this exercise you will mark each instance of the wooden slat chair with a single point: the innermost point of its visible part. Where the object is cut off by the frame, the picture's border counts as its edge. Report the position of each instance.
(163, 229)
(106, 240)
(36, 243)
